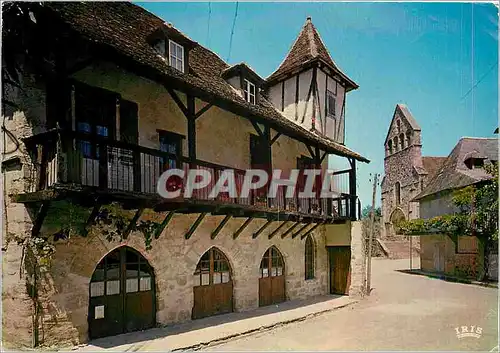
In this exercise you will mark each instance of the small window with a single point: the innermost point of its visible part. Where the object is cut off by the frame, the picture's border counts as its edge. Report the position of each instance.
(176, 55)
(330, 104)
(396, 144)
(389, 144)
(249, 90)
(397, 192)
(402, 141)
(309, 258)
(398, 124)
(170, 143)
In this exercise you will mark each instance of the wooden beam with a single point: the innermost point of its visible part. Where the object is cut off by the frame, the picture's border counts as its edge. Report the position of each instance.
(257, 128)
(40, 217)
(310, 230)
(92, 216)
(311, 152)
(178, 101)
(133, 222)
(164, 224)
(273, 140)
(264, 226)
(323, 157)
(277, 229)
(220, 226)
(191, 121)
(195, 225)
(243, 226)
(283, 236)
(203, 110)
(294, 235)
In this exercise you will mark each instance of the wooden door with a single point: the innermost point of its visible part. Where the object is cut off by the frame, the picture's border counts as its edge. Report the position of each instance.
(340, 269)
(439, 257)
(122, 295)
(213, 287)
(272, 278)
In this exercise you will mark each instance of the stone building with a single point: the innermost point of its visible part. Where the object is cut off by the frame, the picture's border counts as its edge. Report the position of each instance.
(105, 100)
(406, 170)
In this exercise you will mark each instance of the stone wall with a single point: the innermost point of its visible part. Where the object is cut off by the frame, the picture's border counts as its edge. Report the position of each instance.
(457, 264)
(358, 261)
(174, 259)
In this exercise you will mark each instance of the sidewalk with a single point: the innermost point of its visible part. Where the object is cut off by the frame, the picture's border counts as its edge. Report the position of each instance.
(450, 278)
(196, 333)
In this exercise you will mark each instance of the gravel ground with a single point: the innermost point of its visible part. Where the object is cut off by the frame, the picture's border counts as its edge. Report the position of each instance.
(404, 312)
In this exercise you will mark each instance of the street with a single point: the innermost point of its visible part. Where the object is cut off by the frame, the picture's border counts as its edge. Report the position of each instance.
(404, 312)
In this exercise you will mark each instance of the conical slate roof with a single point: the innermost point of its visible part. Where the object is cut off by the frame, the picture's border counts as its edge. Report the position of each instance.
(307, 47)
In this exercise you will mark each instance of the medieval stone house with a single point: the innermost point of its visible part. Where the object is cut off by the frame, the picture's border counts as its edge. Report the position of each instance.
(406, 170)
(89, 247)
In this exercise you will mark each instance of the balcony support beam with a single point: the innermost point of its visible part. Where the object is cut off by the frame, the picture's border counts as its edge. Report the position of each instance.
(243, 226)
(195, 225)
(133, 222)
(220, 226)
(294, 235)
(40, 217)
(277, 229)
(289, 230)
(264, 226)
(164, 224)
(352, 189)
(310, 230)
(92, 216)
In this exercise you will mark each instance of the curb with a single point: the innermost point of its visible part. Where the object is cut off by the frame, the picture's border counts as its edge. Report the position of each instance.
(453, 279)
(219, 340)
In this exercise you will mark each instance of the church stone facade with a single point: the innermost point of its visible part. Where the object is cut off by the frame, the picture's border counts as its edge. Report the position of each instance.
(406, 171)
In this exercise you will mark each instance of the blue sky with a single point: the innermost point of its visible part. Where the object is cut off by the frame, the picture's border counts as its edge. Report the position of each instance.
(426, 55)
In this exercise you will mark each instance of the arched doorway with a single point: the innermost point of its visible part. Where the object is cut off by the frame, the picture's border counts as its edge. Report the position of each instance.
(396, 216)
(122, 294)
(213, 285)
(272, 278)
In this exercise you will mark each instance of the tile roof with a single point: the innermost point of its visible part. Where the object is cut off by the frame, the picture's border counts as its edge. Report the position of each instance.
(454, 174)
(432, 165)
(307, 47)
(125, 28)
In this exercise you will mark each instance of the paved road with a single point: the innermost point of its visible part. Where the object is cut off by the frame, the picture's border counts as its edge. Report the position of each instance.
(404, 312)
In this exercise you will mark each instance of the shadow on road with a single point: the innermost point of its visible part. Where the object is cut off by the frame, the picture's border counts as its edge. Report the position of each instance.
(448, 278)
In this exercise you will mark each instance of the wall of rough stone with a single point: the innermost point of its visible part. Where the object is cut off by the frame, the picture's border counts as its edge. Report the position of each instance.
(25, 119)
(358, 261)
(174, 260)
(456, 264)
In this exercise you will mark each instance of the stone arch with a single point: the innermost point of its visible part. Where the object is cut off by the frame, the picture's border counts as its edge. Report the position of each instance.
(122, 294)
(397, 215)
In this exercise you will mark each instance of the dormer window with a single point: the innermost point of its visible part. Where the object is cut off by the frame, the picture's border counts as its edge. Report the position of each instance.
(249, 90)
(474, 163)
(330, 104)
(176, 55)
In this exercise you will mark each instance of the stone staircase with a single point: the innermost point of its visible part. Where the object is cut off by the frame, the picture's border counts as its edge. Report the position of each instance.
(399, 248)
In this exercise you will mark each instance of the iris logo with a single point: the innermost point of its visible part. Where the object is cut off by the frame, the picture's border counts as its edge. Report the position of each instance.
(468, 331)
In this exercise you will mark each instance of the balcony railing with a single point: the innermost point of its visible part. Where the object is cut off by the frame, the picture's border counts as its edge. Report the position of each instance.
(69, 158)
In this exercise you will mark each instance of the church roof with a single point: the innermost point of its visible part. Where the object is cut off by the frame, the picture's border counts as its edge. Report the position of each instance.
(454, 174)
(432, 164)
(308, 47)
(402, 110)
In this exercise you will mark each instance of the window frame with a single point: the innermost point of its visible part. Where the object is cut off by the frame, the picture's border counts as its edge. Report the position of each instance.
(334, 96)
(170, 42)
(247, 84)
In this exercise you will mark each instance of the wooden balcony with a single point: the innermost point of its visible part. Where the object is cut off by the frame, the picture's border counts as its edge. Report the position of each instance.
(70, 165)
